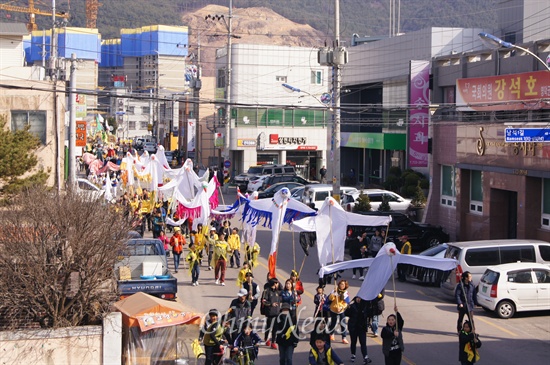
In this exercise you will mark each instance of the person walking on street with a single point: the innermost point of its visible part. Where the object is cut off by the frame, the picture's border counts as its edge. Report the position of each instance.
(287, 335)
(468, 343)
(238, 313)
(271, 303)
(321, 304)
(392, 339)
(234, 242)
(356, 253)
(177, 242)
(466, 299)
(289, 295)
(210, 243)
(323, 354)
(339, 301)
(194, 267)
(253, 291)
(375, 243)
(219, 259)
(406, 249)
(357, 326)
(212, 335)
(323, 174)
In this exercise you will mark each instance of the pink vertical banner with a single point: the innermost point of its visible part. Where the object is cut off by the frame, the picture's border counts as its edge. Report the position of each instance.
(419, 99)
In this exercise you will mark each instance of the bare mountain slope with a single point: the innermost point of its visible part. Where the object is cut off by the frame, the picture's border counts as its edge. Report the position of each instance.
(250, 26)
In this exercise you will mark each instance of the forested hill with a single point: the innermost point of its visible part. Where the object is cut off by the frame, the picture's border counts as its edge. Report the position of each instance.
(364, 17)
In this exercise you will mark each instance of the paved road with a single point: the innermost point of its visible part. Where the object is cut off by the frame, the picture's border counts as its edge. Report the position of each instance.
(430, 318)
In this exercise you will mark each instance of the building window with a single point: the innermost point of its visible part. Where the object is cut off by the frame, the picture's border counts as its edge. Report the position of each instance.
(546, 203)
(317, 77)
(131, 109)
(280, 78)
(35, 119)
(448, 188)
(145, 110)
(143, 125)
(132, 126)
(476, 192)
(220, 80)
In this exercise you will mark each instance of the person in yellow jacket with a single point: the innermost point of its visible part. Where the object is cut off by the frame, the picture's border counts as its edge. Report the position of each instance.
(252, 254)
(323, 354)
(219, 259)
(406, 249)
(241, 278)
(200, 240)
(194, 265)
(210, 242)
(234, 242)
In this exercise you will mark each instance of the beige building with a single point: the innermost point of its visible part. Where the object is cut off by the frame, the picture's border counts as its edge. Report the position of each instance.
(25, 99)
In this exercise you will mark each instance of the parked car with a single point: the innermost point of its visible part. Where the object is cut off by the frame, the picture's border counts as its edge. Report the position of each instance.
(171, 158)
(396, 201)
(429, 276)
(279, 178)
(254, 184)
(317, 193)
(516, 287)
(150, 147)
(476, 256)
(242, 180)
(269, 192)
(297, 192)
(421, 235)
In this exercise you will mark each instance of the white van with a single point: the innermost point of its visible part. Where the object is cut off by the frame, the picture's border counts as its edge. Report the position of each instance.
(476, 256)
(317, 193)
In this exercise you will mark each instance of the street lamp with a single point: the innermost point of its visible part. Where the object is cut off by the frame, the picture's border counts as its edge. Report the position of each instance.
(494, 42)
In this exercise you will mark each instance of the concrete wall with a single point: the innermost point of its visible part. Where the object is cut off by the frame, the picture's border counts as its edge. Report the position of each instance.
(88, 345)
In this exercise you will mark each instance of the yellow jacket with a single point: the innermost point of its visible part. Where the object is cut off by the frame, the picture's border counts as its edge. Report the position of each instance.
(220, 252)
(234, 242)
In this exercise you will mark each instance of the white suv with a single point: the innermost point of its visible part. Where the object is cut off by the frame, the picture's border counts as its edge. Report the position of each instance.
(255, 183)
(397, 202)
(510, 288)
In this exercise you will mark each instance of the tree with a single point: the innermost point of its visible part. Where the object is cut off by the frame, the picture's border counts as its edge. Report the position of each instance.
(385, 205)
(57, 253)
(362, 204)
(17, 158)
(419, 199)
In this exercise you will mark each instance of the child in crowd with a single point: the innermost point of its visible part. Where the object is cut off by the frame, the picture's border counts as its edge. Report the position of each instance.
(392, 339)
(234, 242)
(323, 353)
(241, 277)
(321, 303)
(248, 341)
(194, 266)
(468, 343)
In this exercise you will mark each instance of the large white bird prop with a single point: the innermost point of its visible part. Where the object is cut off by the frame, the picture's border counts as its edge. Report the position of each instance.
(330, 225)
(383, 265)
(274, 212)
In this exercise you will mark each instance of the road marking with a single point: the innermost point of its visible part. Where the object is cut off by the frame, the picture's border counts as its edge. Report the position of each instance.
(476, 317)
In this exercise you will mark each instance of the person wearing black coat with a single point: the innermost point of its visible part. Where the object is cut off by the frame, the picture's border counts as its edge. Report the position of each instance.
(468, 343)
(392, 339)
(466, 300)
(287, 335)
(357, 314)
(271, 302)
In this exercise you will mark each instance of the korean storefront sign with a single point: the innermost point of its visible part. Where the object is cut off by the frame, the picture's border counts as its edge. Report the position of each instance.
(504, 92)
(419, 114)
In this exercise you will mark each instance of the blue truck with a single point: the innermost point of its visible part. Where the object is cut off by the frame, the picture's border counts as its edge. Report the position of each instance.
(143, 267)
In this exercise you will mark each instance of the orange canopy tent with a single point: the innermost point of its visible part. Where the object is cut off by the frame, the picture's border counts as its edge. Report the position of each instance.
(150, 328)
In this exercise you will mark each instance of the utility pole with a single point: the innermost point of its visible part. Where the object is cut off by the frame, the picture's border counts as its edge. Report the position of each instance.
(72, 123)
(336, 98)
(228, 90)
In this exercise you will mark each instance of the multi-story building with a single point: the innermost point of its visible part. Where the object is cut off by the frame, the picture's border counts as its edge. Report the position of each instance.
(384, 123)
(270, 123)
(489, 182)
(147, 65)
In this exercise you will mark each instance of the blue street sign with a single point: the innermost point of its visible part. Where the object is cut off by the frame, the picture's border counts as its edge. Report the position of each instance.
(227, 164)
(527, 135)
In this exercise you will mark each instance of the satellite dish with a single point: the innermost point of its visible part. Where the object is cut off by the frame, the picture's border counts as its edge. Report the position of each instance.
(400, 122)
(304, 120)
(246, 120)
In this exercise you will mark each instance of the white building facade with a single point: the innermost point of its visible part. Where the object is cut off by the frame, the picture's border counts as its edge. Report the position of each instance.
(269, 122)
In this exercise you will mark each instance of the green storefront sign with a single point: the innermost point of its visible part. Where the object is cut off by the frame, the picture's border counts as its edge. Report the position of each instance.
(375, 141)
